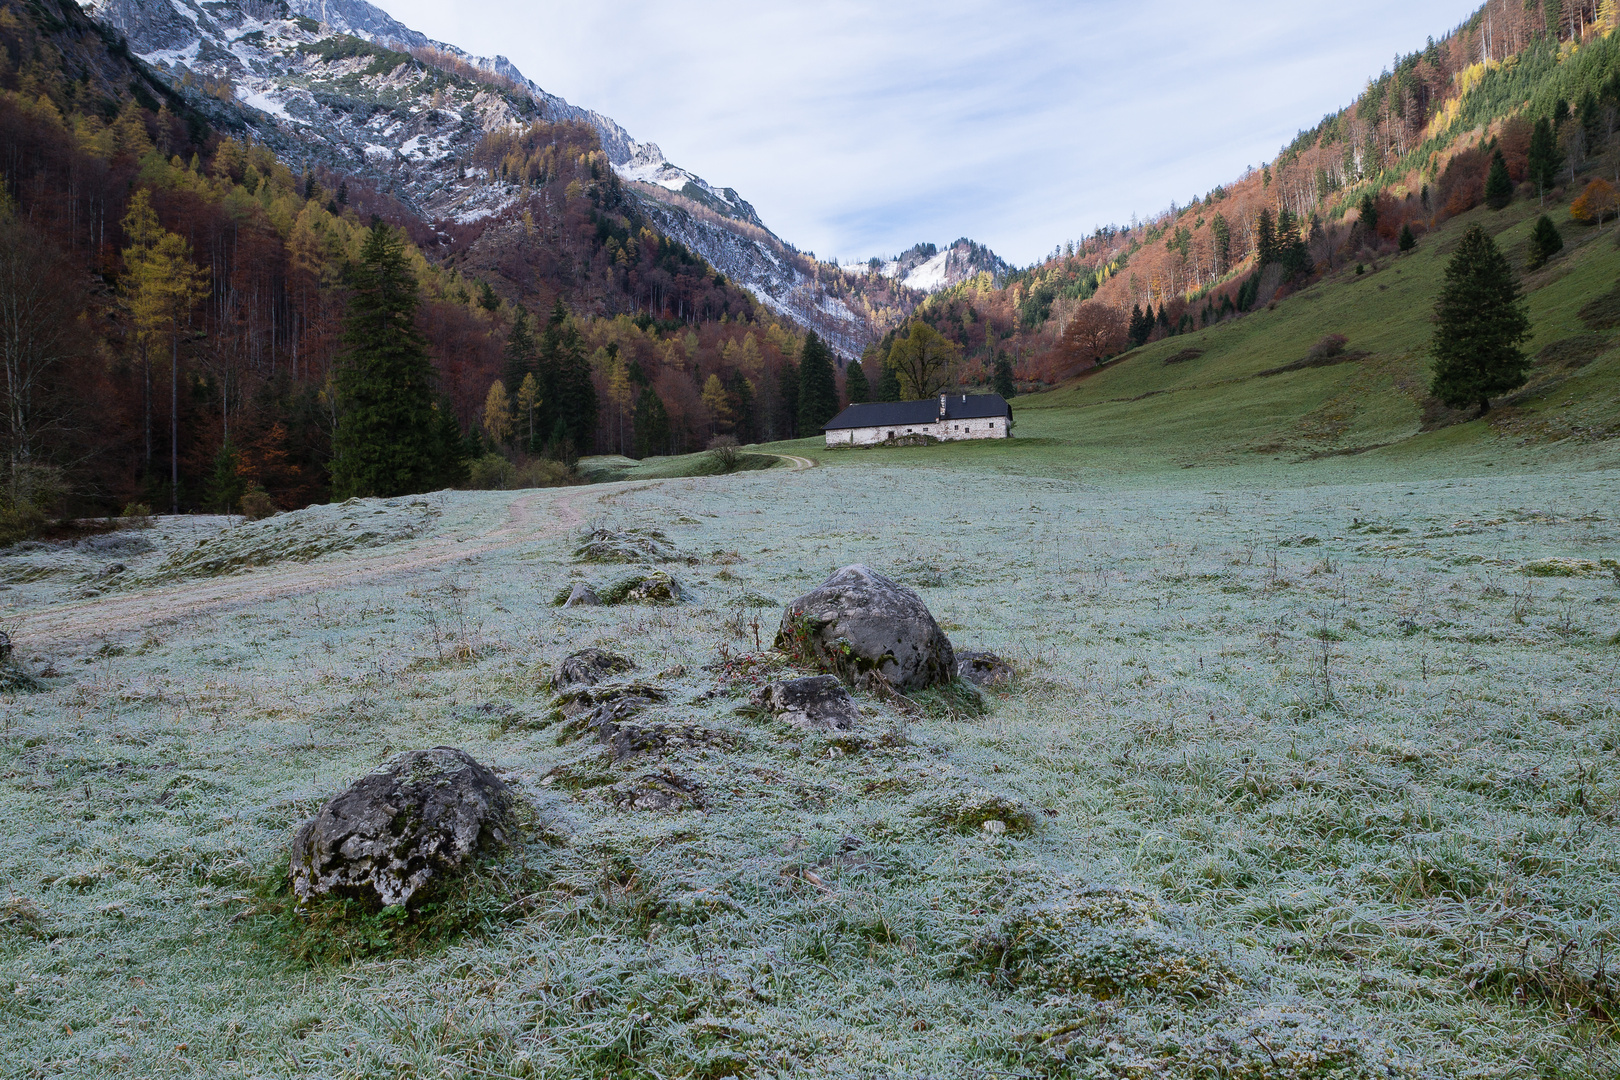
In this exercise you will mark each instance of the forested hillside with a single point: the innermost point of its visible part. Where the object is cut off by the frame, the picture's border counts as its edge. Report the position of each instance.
(174, 298)
(1412, 151)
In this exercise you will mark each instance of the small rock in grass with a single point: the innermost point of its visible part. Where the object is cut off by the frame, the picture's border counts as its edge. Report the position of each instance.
(658, 791)
(994, 826)
(819, 702)
(425, 814)
(858, 621)
(983, 668)
(589, 667)
(582, 595)
(652, 588)
(625, 741)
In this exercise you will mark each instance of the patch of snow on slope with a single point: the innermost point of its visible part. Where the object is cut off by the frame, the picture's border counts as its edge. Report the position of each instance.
(262, 101)
(930, 275)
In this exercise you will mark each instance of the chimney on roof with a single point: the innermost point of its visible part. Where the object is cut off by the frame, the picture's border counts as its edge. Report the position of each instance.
(942, 398)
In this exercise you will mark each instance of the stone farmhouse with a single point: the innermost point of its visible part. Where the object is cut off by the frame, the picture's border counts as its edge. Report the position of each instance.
(912, 423)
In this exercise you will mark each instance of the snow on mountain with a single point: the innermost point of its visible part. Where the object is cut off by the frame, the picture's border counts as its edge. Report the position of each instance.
(328, 82)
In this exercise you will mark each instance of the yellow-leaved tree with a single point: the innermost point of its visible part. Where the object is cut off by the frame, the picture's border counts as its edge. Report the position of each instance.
(497, 414)
(162, 287)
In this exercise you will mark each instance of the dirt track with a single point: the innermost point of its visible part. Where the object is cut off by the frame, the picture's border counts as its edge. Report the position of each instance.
(77, 622)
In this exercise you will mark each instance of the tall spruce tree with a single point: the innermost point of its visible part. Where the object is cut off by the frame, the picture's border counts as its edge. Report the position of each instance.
(519, 351)
(651, 424)
(818, 386)
(1480, 322)
(856, 388)
(1369, 214)
(1002, 382)
(1498, 184)
(787, 402)
(387, 438)
(1407, 241)
(888, 384)
(576, 393)
(1545, 159)
(1265, 243)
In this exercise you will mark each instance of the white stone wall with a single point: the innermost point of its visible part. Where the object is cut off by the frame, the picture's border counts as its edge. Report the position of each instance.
(990, 427)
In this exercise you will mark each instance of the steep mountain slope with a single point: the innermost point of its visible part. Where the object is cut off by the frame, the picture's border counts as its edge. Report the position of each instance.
(342, 85)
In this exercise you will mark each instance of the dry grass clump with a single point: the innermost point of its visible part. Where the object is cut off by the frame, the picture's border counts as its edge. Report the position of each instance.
(625, 546)
(1268, 1043)
(1099, 941)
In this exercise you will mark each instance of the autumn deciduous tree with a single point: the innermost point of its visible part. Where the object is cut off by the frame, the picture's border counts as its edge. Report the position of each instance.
(386, 442)
(498, 414)
(1480, 322)
(924, 360)
(164, 286)
(1595, 204)
(40, 338)
(1095, 332)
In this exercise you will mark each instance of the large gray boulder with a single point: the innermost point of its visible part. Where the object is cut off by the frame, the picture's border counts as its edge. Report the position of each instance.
(423, 815)
(859, 621)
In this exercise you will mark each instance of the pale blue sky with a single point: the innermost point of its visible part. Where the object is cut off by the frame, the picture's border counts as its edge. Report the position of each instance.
(861, 129)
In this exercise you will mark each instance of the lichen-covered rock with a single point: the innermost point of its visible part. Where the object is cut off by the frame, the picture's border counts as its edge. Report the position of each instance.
(858, 620)
(983, 668)
(589, 667)
(819, 702)
(582, 595)
(626, 740)
(652, 588)
(425, 814)
(658, 791)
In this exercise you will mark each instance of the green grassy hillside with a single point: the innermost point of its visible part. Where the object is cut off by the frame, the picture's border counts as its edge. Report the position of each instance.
(1159, 409)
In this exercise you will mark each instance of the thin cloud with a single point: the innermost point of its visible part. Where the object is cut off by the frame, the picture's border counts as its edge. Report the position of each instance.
(860, 129)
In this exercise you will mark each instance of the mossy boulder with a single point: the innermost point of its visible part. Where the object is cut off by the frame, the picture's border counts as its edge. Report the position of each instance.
(424, 815)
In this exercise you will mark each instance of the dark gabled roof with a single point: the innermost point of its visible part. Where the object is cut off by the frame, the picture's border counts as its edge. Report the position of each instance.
(896, 413)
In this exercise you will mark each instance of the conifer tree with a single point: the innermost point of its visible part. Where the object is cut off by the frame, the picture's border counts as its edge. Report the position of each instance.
(818, 387)
(487, 298)
(1545, 159)
(651, 424)
(856, 388)
(1480, 322)
(741, 393)
(1545, 242)
(519, 350)
(386, 441)
(1222, 234)
(575, 391)
(1266, 238)
(787, 401)
(888, 385)
(1369, 214)
(1002, 382)
(1498, 184)
(1139, 327)
(1407, 241)
(452, 446)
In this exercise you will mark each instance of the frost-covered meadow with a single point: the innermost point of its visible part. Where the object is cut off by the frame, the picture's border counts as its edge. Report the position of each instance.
(1296, 783)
